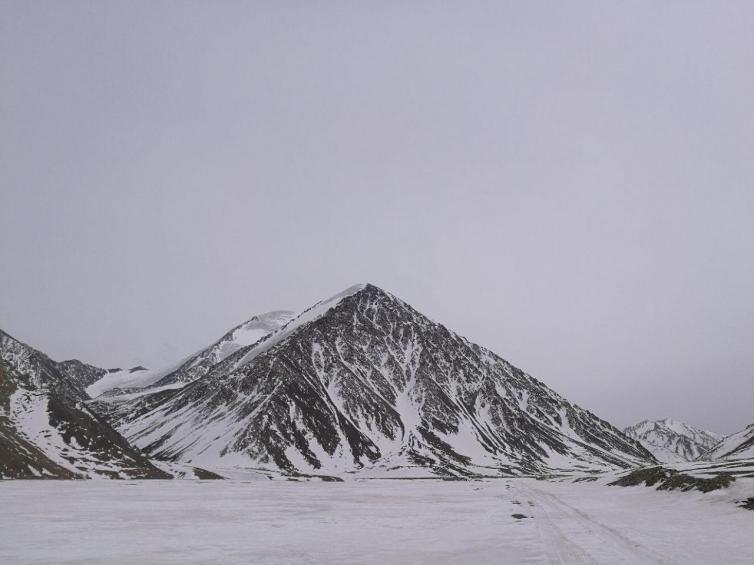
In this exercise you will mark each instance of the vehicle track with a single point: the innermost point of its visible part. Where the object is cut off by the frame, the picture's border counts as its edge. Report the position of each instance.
(571, 536)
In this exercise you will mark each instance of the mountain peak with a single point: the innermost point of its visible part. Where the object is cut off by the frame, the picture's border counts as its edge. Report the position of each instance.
(362, 288)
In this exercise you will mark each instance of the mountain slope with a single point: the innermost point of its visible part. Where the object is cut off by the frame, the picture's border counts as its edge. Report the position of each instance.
(243, 335)
(80, 374)
(736, 446)
(364, 383)
(47, 431)
(195, 366)
(670, 441)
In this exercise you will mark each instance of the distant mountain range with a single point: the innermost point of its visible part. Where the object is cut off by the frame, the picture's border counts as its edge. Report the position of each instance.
(675, 442)
(671, 441)
(359, 384)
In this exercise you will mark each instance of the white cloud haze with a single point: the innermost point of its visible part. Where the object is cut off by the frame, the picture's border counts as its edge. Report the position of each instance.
(570, 185)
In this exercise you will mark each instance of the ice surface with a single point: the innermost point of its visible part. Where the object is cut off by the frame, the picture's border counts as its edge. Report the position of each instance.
(421, 521)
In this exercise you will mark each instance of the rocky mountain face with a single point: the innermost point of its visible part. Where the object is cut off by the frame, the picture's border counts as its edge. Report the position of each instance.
(362, 383)
(46, 429)
(80, 374)
(671, 441)
(735, 446)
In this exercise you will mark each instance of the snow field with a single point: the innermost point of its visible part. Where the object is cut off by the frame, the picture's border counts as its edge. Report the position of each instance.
(370, 521)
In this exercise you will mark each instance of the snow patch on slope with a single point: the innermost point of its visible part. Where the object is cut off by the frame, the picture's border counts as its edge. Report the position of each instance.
(248, 333)
(125, 379)
(736, 446)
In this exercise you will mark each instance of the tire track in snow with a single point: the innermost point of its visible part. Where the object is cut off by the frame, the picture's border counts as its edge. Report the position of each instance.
(570, 536)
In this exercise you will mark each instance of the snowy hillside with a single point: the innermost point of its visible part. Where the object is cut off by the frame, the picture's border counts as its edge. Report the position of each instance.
(736, 446)
(363, 383)
(671, 441)
(47, 431)
(197, 365)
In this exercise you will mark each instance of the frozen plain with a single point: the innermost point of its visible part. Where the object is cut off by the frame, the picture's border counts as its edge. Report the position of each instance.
(368, 521)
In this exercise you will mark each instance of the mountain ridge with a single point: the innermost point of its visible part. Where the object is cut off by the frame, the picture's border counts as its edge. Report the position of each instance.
(739, 445)
(361, 382)
(671, 441)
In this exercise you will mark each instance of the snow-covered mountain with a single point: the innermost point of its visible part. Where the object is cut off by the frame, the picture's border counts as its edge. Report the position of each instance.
(243, 335)
(671, 441)
(735, 446)
(120, 381)
(46, 429)
(362, 383)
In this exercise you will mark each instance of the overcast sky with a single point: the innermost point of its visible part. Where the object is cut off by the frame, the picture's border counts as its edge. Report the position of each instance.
(568, 184)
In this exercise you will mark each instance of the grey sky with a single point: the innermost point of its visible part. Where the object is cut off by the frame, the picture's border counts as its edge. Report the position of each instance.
(568, 184)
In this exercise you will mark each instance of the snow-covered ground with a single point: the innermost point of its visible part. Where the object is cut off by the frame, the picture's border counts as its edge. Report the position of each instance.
(385, 521)
(126, 379)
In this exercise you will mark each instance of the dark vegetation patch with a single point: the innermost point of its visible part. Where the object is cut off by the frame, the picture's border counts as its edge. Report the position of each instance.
(649, 477)
(205, 475)
(305, 477)
(748, 504)
(685, 482)
(669, 479)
